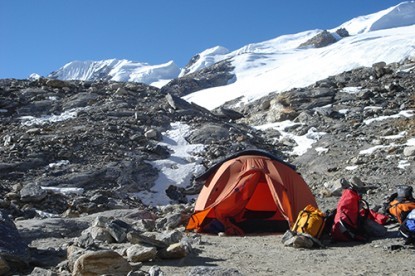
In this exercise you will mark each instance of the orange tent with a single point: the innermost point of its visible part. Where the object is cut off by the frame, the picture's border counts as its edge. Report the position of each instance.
(252, 191)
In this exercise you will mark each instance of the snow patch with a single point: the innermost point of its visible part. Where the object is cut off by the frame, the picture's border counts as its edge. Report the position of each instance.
(46, 119)
(59, 164)
(303, 142)
(395, 137)
(404, 113)
(178, 169)
(351, 168)
(351, 90)
(64, 191)
(371, 150)
(321, 150)
(403, 164)
(410, 142)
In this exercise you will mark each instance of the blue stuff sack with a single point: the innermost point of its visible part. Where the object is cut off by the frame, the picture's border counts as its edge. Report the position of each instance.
(410, 224)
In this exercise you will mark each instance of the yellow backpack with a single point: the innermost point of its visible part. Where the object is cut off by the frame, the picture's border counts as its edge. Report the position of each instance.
(310, 220)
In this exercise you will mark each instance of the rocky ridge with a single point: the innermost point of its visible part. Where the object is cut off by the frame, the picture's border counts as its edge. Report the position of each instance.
(94, 138)
(366, 130)
(71, 148)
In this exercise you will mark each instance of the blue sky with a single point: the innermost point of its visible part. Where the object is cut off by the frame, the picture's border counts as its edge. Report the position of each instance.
(39, 36)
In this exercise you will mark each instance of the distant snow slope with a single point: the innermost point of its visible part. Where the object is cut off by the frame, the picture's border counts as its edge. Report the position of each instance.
(279, 65)
(117, 70)
(274, 65)
(205, 59)
(397, 16)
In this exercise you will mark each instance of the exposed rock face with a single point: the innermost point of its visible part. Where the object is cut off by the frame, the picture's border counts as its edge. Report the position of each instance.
(192, 61)
(323, 39)
(216, 75)
(342, 32)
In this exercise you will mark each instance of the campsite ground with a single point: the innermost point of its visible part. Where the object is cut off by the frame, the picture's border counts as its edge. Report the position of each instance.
(266, 255)
(215, 255)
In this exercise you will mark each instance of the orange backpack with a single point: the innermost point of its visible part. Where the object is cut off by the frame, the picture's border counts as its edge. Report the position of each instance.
(310, 220)
(401, 208)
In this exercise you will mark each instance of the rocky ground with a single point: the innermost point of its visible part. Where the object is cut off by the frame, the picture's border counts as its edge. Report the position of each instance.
(99, 155)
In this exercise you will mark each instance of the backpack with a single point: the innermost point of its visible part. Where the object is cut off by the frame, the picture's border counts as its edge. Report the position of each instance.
(401, 203)
(311, 221)
(351, 213)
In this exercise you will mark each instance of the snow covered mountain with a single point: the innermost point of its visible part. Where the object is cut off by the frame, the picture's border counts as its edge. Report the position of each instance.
(118, 70)
(275, 65)
(280, 64)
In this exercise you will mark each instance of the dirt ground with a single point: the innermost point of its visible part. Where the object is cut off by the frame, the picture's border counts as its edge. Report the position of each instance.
(215, 255)
(266, 255)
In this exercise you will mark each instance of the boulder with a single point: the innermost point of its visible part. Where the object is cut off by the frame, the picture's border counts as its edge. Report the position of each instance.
(101, 262)
(173, 251)
(13, 251)
(139, 253)
(32, 193)
(409, 151)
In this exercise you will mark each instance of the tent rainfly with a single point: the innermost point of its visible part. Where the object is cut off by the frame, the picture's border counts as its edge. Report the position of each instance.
(251, 191)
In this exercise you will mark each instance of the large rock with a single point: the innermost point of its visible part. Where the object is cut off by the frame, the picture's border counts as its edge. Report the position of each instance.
(409, 151)
(323, 39)
(12, 248)
(218, 74)
(139, 253)
(32, 193)
(106, 262)
(173, 251)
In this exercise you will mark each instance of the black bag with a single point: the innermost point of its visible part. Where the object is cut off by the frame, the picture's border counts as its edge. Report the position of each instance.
(404, 192)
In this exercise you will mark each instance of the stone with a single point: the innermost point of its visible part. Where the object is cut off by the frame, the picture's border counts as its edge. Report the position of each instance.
(117, 232)
(173, 251)
(155, 271)
(147, 238)
(32, 193)
(101, 234)
(151, 134)
(42, 272)
(145, 225)
(13, 249)
(139, 253)
(321, 40)
(334, 187)
(170, 237)
(409, 151)
(100, 221)
(301, 241)
(73, 252)
(101, 262)
(170, 221)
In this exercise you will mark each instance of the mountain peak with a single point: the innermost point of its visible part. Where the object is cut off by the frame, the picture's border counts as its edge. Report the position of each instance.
(117, 70)
(400, 15)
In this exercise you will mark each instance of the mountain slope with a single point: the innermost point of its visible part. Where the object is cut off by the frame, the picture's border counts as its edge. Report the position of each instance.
(278, 64)
(117, 70)
(275, 65)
